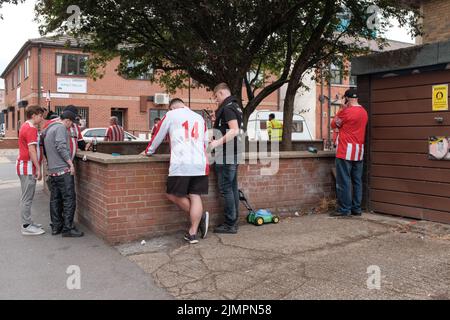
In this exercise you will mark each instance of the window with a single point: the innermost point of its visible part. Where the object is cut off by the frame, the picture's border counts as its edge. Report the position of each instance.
(26, 70)
(336, 74)
(205, 117)
(156, 113)
(6, 121)
(83, 112)
(19, 75)
(297, 126)
(99, 133)
(71, 64)
(13, 113)
(353, 81)
(12, 81)
(6, 86)
(147, 75)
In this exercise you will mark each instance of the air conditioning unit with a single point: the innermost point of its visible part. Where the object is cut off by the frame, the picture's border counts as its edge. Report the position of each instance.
(161, 98)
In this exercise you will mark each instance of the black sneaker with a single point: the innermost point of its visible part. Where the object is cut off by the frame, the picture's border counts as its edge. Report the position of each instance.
(223, 228)
(357, 214)
(204, 225)
(191, 238)
(72, 233)
(340, 214)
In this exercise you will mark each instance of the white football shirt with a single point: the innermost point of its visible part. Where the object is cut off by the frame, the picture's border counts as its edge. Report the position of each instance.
(188, 141)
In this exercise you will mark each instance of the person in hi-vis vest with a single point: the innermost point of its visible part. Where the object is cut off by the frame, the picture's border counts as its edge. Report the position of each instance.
(274, 128)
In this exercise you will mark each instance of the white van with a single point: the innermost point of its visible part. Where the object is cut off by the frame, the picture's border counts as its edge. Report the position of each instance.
(257, 126)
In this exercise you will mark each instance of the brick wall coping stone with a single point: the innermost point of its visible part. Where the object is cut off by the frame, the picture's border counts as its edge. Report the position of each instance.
(110, 159)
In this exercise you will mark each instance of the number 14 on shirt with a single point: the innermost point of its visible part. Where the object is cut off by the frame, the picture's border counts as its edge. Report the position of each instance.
(194, 131)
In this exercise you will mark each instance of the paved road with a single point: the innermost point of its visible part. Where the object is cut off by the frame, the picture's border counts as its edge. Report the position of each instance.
(35, 267)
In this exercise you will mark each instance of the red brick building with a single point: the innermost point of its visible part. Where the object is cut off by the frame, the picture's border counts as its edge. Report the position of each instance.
(48, 64)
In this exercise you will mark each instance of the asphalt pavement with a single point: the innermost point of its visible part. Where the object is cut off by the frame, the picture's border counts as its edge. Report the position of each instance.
(52, 267)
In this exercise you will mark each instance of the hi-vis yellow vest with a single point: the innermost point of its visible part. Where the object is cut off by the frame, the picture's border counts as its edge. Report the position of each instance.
(275, 129)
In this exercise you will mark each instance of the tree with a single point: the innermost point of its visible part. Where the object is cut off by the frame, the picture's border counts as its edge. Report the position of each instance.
(240, 42)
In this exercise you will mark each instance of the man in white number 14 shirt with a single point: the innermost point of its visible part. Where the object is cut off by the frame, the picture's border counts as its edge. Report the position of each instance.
(189, 167)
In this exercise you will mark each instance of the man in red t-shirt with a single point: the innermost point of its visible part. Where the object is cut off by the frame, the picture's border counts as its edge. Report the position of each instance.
(28, 167)
(351, 121)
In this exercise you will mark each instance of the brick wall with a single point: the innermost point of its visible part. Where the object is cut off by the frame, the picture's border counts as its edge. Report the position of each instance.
(9, 143)
(126, 202)
(436, 25)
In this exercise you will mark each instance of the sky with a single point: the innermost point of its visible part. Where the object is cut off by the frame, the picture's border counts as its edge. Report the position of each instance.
(18, 26)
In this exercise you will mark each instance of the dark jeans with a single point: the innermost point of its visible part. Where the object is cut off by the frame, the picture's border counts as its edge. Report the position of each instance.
(62, 202)
(348, 175)
(227, 179)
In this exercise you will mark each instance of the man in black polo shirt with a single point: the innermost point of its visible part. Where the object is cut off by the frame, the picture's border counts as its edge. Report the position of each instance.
(228, 154)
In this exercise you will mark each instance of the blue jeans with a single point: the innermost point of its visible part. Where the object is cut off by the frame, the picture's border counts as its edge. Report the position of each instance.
(348, 175)
(228, 186)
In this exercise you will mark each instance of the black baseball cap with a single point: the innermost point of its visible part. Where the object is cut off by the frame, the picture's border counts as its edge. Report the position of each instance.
(351, 93)
(67, 114)
(73, 109)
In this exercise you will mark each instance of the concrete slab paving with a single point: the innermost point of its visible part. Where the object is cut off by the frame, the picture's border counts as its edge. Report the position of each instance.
(309, 257)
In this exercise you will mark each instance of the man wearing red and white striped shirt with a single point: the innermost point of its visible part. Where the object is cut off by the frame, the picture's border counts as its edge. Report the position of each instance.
(28, 167)
(114, 132)
(351, 122)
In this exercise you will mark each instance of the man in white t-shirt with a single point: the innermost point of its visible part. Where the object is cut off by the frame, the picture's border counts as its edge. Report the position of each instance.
(189, 167)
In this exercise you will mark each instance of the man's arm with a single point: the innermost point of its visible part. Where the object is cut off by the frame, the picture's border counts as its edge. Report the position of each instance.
(32, 150)
(160, 133)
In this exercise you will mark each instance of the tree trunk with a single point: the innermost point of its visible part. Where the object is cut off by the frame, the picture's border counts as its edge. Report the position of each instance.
(288, 114)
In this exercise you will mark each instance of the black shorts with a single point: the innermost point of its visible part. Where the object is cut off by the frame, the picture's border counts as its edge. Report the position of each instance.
(182, 186)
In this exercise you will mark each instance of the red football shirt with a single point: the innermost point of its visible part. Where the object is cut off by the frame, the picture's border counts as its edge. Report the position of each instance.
(28, 135)
(115, 133)
(352, 122)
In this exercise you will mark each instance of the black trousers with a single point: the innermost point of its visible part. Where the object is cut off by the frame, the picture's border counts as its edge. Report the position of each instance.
(62, 202)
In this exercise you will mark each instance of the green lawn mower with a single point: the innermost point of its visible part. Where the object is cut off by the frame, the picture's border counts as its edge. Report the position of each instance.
(258, 217)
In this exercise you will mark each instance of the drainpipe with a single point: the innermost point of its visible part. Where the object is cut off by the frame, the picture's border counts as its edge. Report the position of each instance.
(39, 74)
(321, 103)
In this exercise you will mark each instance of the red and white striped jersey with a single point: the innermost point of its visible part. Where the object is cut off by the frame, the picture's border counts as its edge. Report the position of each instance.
(28, 135)
(352, 122)
(74, 134)
(188, 136)
(115, 133)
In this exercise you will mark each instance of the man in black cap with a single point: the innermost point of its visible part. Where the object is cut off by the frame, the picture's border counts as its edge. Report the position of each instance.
(351, 121)
(61, 175)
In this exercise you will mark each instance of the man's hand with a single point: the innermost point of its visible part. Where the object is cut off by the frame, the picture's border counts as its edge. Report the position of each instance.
(214, 144)
(72, 170)
(143, 153)
(88, 146)
(38, 174)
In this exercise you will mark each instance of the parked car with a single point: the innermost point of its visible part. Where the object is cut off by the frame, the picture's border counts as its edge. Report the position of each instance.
(100, 133)
(257, 126)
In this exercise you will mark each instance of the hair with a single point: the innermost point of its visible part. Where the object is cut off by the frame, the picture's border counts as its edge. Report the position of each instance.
(68, 115)
(31, 110)
(157, 119)
(114, 119)
(174, 101)
(221, 86)
(271, 116)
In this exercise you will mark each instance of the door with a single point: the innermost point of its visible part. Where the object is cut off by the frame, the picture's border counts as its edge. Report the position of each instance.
(403, 180)
(119, 115)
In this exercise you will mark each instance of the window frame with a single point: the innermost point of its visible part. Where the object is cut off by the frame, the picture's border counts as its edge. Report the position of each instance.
(65, 61)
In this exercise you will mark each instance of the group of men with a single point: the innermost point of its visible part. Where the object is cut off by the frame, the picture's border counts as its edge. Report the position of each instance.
(189, 166)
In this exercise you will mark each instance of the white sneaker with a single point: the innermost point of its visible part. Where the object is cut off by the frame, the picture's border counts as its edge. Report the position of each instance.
(32, 230)
(37, 225)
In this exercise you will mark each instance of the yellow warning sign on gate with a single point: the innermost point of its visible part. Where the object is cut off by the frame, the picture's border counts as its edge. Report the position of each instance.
(440, 97)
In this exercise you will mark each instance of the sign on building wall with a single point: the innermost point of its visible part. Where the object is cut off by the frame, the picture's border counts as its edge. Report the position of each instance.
(440, 97)
(438, 148)
(72, 85)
